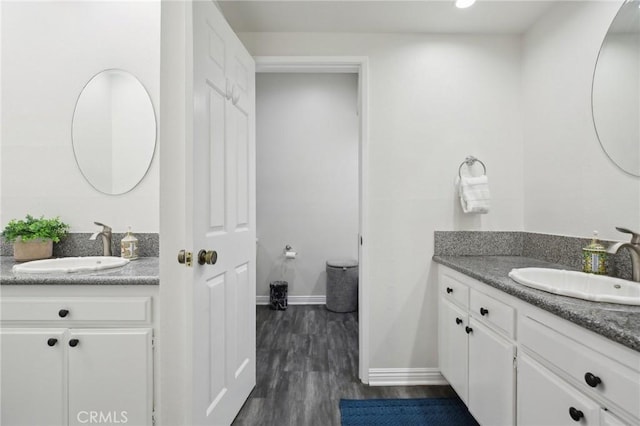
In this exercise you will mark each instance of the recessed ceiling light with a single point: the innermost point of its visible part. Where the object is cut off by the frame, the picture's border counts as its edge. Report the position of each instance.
(463, 4)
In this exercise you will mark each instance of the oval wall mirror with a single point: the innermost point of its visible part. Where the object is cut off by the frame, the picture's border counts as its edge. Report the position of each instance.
(615, 95)
(114, 131)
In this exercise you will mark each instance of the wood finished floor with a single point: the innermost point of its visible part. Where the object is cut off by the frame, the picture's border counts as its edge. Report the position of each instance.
(306, 361)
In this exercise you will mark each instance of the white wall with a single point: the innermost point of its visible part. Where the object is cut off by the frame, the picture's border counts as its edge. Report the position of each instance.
(433, 101)
(571, 187)
(50, 50)
(307, 177)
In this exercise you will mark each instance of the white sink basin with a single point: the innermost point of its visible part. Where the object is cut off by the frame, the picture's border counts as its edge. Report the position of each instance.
(597, 288)
(70, 264)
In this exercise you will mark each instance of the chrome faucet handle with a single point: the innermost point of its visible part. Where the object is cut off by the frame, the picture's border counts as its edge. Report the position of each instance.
(635, 237)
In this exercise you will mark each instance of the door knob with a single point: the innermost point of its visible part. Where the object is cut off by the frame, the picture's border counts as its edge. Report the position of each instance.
(185, 257)
(74, 342)
(63, 313)
(209, 257)
(52, 341)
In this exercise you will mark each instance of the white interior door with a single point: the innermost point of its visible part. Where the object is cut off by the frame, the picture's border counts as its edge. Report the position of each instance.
(223, 219)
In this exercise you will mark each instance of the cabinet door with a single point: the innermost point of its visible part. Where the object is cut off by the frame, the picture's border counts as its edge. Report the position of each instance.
(452, 352)
(608, 419)
(545, 399)
(110, 376)
(491, 376)
(33, 390)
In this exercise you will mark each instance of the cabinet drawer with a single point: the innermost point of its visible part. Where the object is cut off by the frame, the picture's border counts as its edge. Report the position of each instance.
(616, 382)
(545, 399)
(76, 309)
(453, 290)
(493, 312)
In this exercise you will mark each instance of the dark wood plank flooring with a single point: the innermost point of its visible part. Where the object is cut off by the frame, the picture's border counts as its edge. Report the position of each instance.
(306, 361)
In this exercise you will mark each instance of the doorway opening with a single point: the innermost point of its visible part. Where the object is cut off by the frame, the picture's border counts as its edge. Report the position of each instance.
(351, 73)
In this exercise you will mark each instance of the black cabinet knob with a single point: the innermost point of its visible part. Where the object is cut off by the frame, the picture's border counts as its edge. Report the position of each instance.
(468, 329)
(575, 414)
(74, 342)
(484, 311)
(449, 290)
(592, 380)
(63, 313)
(52, 342)
(458, 321)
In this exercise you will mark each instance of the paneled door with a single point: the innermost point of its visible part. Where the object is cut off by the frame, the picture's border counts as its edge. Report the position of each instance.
(110, 373)
(33, 377)
(223, 217)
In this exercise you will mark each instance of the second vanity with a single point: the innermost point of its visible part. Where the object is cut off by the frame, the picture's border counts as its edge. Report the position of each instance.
(517, 355)
(64, 333)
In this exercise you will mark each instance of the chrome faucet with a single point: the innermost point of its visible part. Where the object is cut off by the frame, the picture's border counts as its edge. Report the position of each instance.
(106, 238)
(634, 249)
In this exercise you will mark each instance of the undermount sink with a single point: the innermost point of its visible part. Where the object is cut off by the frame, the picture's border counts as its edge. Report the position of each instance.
(70, 264)
(597, 288)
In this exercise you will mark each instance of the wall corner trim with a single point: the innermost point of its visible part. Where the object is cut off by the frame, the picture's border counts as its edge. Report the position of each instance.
(405, 376)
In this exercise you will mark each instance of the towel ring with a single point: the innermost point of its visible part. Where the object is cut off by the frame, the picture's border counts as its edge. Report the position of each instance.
(470, 161)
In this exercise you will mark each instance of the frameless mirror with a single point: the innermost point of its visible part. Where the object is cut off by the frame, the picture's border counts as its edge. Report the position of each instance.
(114, 131)
(615, 95)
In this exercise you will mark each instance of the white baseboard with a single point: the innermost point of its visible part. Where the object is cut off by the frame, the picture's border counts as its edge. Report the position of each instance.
(405, 377)
(295, 300)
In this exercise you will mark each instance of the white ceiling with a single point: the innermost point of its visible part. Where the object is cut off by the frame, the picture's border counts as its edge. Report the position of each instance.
(390, 16)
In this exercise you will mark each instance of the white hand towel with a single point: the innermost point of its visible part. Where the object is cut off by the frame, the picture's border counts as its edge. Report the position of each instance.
(474, 194)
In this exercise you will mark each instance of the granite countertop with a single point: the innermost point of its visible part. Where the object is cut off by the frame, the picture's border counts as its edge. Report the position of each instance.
(142, 271)
(620, 323)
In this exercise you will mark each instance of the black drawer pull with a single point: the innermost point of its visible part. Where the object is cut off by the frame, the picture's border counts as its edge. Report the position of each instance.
(74, 342)
(575, 414)
(52, 342)
(592, 380)
(449, 290)
(484, 311)
(63, 313)
(468, 329)
(458, 321)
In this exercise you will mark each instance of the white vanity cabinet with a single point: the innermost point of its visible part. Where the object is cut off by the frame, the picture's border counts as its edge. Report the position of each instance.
(525, 366)
(586, 378)
(476, 354)
(74, 360)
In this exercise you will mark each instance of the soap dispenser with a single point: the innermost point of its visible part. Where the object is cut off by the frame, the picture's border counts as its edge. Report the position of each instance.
(594, 257)
(129, 246)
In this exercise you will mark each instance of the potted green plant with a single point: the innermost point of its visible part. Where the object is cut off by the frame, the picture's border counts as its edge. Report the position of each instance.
(33, 238)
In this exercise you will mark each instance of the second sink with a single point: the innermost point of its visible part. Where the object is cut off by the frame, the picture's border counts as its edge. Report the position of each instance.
(70, 264)
(597, 288)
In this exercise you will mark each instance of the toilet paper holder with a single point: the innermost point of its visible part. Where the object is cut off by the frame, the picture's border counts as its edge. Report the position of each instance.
(289, 253)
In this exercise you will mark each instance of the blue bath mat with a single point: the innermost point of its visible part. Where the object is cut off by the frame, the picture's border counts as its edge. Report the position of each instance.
(405, 412)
